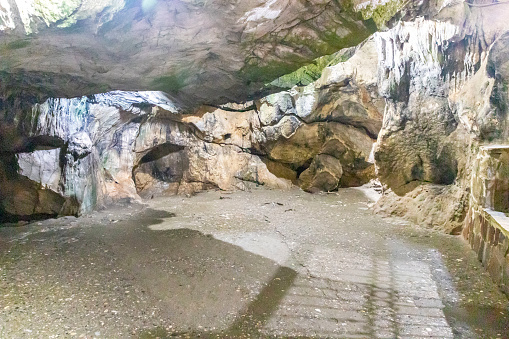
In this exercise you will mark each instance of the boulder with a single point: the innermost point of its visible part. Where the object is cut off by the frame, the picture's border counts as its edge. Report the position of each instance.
(323, 174)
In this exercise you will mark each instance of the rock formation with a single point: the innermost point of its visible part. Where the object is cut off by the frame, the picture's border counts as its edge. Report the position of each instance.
(199, 51)
(438, 78)
(215, 94)
(90, 151)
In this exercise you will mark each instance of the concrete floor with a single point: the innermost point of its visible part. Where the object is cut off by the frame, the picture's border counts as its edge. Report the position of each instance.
(260, 264)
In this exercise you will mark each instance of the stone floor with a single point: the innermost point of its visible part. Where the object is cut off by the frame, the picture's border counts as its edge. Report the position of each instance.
(260, 264)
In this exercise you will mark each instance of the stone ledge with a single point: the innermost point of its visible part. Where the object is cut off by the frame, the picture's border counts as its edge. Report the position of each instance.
(497, 219)
(494, 147)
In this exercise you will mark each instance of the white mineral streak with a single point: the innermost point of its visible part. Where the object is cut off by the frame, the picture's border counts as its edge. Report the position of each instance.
(275, 106)
(472, 100)
(42, 167)
(413, 49)
(26, 12)
(60, 117)
(79, 144)
(128, 100)
(264, 12)
(119, 160)
(362, 66)
(6, 20)
(85, 124)
(305, 99)
(286, 127)
(65, 117)
(373, 3)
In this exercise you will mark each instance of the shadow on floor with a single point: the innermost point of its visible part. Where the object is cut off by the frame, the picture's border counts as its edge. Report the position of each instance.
(250, 322)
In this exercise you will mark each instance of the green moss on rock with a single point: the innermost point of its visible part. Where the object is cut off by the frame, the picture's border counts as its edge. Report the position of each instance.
(52, 11)
(382, 13)
(171, 83)
(17, 44)
(312, 72)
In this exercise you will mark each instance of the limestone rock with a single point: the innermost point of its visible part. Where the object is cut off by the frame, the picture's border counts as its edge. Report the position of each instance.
(285, 128)
(118, 145)
(213, 51)
(24, 199)
(273, 107)
(226, 127)
(445, 97)
(79, 145)
(162, 173)
(41, 166)
(410, 77)
(323, 174)
(442, 207)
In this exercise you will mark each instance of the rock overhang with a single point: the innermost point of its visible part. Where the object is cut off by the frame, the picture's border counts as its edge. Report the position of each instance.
(196, 51)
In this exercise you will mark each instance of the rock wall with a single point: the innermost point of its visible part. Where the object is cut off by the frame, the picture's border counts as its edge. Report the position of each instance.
(487, 221)
(87, 152)
(95, 150)
(65, 149)
(414, 105)
(443, 102)
(429, 89)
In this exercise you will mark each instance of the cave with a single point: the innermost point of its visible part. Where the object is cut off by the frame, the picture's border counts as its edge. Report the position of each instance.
(254, 169)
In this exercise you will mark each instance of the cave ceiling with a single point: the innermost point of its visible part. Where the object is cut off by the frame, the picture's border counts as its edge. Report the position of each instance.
(197, 51)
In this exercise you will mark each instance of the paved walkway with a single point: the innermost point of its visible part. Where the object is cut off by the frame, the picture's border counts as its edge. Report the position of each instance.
(262, 264)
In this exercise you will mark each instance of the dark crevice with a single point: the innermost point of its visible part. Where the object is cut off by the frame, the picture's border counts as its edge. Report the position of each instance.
(6, 218)
(41, 142)
(229, 109)
(303, 167)
(160, 151)
(340, 120)
(9, 167)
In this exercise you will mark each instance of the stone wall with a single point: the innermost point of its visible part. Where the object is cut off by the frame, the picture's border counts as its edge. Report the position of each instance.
(487, 222)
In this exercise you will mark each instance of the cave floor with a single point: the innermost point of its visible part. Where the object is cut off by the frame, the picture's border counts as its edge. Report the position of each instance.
(259, 263)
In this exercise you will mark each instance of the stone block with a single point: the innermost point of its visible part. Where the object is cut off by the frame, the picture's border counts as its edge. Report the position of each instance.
(476, 220)
(496, 238)
(469, 224)
(503, 246)
(500, 252)
(484, 227)
(495, 268)
(473, 240)
(479, 249)
(505, 277)
(486, 253)
(490, 236)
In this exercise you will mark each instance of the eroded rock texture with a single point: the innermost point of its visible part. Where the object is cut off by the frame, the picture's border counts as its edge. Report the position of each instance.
(199, 51)
(90, 151)
(66, 150)
(443, 101)
(430, 87)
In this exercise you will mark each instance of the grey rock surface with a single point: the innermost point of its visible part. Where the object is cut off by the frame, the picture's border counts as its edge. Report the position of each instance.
(114, 147)
(197, 51)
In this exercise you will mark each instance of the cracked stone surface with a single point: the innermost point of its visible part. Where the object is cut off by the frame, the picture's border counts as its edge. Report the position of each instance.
(198, 51)
(88, 152)
(260, 263)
